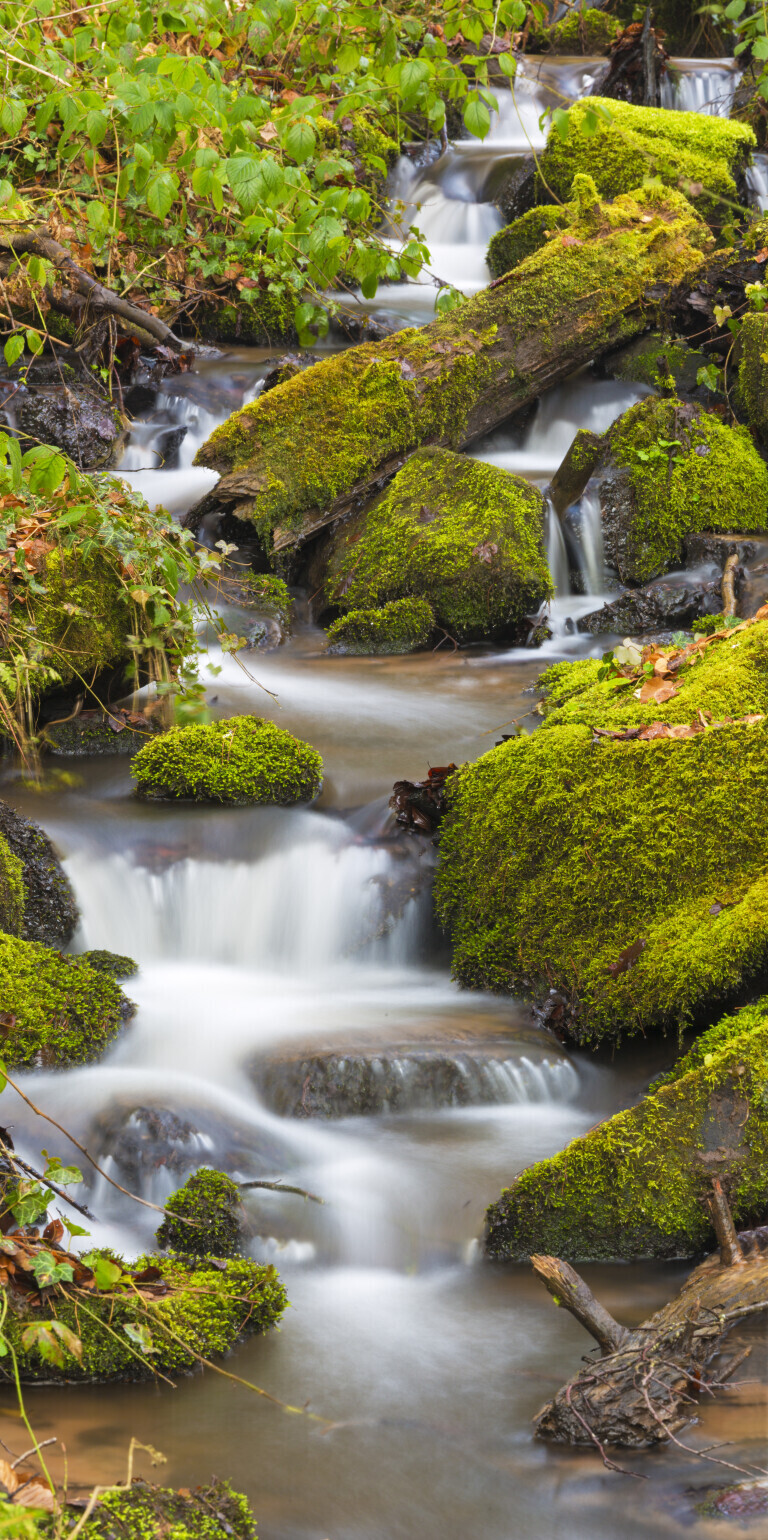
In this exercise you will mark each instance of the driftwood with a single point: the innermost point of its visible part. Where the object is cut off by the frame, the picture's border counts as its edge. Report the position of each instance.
(100, 299)
(645, 1384)
(729, 585)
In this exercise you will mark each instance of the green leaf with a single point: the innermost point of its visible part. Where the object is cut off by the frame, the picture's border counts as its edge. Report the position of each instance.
(6, 191)
(48, 468)
(96, 125)
(507, 64)
(13, 349)
(561, 123)
(140, 1336)
(65, 1176)
(477, 118)
(106, 1273)
(161, 192)
(48, 1271)
(299, 140)
(760, 48)
(34, 343)
(12, 115)
(709, 377)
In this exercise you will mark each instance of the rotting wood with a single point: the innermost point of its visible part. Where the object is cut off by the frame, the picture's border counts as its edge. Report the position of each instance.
(729, 585)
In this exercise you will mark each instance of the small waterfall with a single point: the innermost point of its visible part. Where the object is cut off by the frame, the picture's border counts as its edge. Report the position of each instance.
(693, 86)
(557, 554)
(591, 540)
(757, 182)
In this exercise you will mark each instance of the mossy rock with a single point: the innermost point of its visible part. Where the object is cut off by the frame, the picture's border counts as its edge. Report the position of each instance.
(403, 625)
(113, 964)
(96, 732)
(586, 31)
(62, 1011)
(82, 616)
(236, 760)
(212, 1201)
(463, 536)
(700, 155)
(256, 318)
(753, 372)
(635, 1186)
(524, 236)
(49, 911)
(147, 1512)
(629, 875)
(666, 469)
(11, 890)
(667, 364)
(209, 1307)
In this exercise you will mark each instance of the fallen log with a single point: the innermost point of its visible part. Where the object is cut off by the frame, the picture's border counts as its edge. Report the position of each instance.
(645, 1385)
(300, 458)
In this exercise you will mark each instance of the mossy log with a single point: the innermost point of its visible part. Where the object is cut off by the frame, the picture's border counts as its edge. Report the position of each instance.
(645, 1385)
(309, 451)
(635, 1185)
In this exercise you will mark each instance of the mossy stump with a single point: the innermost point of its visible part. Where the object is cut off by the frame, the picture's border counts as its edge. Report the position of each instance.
(236, 760)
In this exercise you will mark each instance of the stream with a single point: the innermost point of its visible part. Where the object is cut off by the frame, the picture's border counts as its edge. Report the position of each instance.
(265, 936)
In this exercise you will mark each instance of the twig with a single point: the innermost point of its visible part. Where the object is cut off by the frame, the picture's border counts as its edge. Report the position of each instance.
(300, 1192)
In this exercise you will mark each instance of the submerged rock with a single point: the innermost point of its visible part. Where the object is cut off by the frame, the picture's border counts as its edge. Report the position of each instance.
(203, 1217)
(99, 732)
(146, 1141)
(661, 606)
(627, 872)
(236, 760)
(635, 1186)
(403, 625)
(461, 536)
(56, 1010)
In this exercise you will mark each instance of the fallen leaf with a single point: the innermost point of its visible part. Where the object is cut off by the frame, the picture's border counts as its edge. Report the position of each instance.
(715, 908)
(8, 1477)
(627, 958)
(35, 1495)
(658, 690)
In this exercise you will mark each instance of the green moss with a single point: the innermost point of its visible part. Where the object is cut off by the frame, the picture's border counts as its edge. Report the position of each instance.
(682, 149)
(314, 438)
(706, 625)
(212, 1201)
(665, 363)
(753, 372)
(206, 1311)
(64, 1011)
(257, 318)
(11, 891)
(148, 1512)
(685, 471)
(403, 625)
(461, 535)
(525, 235)
(586, 31)
(559, 853)
(111, 963)
(82, 619)
(239, 759)
(271, 597)
(635, 1185)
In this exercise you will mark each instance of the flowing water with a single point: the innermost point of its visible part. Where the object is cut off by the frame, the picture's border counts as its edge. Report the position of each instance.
(270, 933)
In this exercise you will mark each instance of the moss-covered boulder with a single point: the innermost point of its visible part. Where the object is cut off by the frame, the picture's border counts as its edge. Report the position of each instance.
(56, 1009)
(165, 1316)
(628, 872)
(753, 372)
(524, 236)
(403, 625)
(210, 1201)
(665, 469)
(459, 534)
(147, 1512)
(49, 912)
(236, 760)
(635, 1186)
(699, 154)
(11, 890)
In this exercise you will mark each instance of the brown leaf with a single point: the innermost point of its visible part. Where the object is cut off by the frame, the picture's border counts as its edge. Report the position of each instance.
(35, 1495)
(486, 551)
(8, 1477)
(571, 240)
(658, 690)
(627, 958)
(53, 1231)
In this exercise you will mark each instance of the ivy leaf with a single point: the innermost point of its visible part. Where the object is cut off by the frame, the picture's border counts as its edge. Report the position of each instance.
(48, 1271)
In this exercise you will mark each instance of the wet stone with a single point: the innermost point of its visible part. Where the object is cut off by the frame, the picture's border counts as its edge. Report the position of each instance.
(658, 607)
(50, 911)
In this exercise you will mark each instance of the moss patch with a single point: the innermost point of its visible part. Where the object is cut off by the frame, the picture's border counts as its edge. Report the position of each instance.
(64, 1011)
(525, 235)
(212, 1201)
(586, 31)
(685, 150)
(753, 372)
(459, 534)
(110, 963)
(403, 625)
(559, 853)
(11, 890)
(635, 1185)
(148, 1512)
(237, 760)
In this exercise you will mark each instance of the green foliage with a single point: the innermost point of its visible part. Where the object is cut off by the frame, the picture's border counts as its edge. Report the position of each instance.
(463, 536)
(236, 760)
(246, 144)
(560, 854)
(62, 1011)
(635, 1186)
(211, 1201)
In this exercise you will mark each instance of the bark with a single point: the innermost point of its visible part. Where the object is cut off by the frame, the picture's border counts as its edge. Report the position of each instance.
(355, 418)
(645, 1389)
(729, 585)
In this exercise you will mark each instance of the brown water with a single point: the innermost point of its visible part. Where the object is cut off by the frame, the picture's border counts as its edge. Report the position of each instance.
(422, 1366)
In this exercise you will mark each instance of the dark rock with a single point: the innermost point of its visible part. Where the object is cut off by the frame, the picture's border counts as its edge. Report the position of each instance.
(50, 910)
(660, 605)
(709, 547)
(168, 445)
(285, 369)
(520, 190)
(85, 426)
(145, 1139)
(365, 328)
(100, 732)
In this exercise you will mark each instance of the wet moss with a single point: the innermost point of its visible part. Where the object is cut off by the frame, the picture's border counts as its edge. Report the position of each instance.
(525, 235)
(664, 363)
(11, 891)
(256, 318)
(64, 1012)
(463, 536)
(237, 760)
(271, 597)
(83, 617)
(403, 625)
(206, 1311)
(753, 372)
(585, 31)
(212, 1201)
(698, 154)
(635, 1185)
(559, 853)
(146, 1512)
(111, 963)
(380, 401)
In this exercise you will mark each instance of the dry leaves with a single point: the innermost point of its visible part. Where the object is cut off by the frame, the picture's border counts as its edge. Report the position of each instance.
(24, 1489)
(652, 731)
(627, 958)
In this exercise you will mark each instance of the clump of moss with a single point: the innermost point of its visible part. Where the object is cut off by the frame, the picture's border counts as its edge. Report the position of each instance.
(379, 401)
(237, 760)
(585, 31)
(635, 1185)
(753, 372)
(112, 964)
(144, 1512)
(11, 890)
(629, 875)
(686, 150)
(403, 625)
(707, 625)
(203, 1313)
(525, 235)
(256, 318)
(63, 1011)
(663, 362)
(462, 536)
(211, 1201)
(271, 597)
